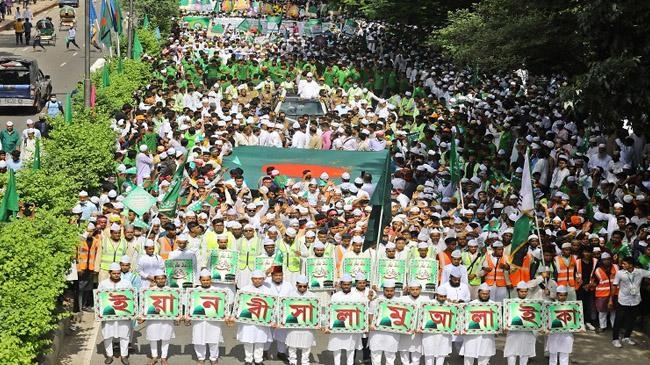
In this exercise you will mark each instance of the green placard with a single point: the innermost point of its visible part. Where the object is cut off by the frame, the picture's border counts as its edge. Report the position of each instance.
(353, 266)
(523, 315)
(348, 317)
(263, 262)
(223, 265)
(425, 271)
(393, 316)
(115, 304)
(160, 303)
(254, 308)
(300, 312)
(208, 304)
(564, 317)
(391, 269)
(139, 201)
(320, 271)
(438, 318)
(481, 318)
(180, 273)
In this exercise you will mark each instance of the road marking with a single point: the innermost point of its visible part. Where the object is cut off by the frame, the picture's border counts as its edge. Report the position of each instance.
(25, 49)
(74, 54)
(61, 65)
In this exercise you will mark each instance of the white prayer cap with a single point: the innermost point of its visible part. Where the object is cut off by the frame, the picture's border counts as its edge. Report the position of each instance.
(155, 221)
(112, 194)
(309, 74)
(346, 278)
(390, 246)
(83, 193)
(115, 227)
(291, 232)
(561, 289)
(357, 239)
(414, 284)
(497, 244)
(360, 276)
(115, 267)
(205, 273)
(324, 176)
(268, 242)
(310, 234)
(92, 226)
(389, 283)
(472, 243)
(143, 148)
(302, 279)
(522, 285)
(605, 255)
(182, 237)
(149, 243)
(345, 176)
(484, 287)
(566, 245)
(456, 254)
(423, 244)
(125, 259)
(455, 272)
(258, 274)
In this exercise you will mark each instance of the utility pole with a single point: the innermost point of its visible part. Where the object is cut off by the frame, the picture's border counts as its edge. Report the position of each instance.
(130, 29)
(87, 86)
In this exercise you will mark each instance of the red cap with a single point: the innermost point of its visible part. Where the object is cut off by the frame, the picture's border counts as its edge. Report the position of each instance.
(276, 269)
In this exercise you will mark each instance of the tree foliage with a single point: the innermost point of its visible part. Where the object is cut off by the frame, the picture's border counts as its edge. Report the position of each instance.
(120, 92)
(416, 12)
(161, 13)
(148, 40)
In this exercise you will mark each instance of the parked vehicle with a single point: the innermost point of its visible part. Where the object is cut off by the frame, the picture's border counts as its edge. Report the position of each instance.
(22, 83)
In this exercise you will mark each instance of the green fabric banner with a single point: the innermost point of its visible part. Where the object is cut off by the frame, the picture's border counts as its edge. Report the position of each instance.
(196, 22)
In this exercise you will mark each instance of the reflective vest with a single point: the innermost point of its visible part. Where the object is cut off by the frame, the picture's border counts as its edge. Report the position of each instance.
(474, 266)
(165, 246)
(112, 252)
(247, 253)
(568, 275)
(604, 288)
(339, 252)
(496, 276)
(520, 273)
(443, 260)
(289, 259)
(86, 255)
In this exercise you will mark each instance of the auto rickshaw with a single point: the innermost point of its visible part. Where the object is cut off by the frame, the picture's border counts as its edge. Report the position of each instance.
(48, 33)
(67, 16)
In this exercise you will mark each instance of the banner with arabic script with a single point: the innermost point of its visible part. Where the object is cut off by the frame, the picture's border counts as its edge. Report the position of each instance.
(393, 316)
(115, 304)
(426, 272)
(180, 273)
(564, 317)
(207, 304)
(480, 318)
(348, 317)
(439, 318)
(254, 308)
(223, 265)
(263, 262)
(391, 269)
(523, 315)
(300, 312)
(161, 303)
(320, 271)
(354, 266)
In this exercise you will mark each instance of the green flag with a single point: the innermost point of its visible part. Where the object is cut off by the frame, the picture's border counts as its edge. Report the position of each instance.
(170, 201)
(454, 163)
(67, 111)
(36, 164)
(117, 16)
(273, 22)
(244, 26)
(218, 28)
(519, 245)
(105, 25)
(9, 206)
(106, 78)
(137, 47)
(145, 22)
(212, 201)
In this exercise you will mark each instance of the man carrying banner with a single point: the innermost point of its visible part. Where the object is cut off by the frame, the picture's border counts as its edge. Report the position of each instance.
(149, 264)
(436, 347)
(183, 253)
(280, 288)
(300, 339)
(120, 329)
(381, 341)
(345, 341)
(410, 345)
(560, 345)
(159, 330)
(520, 343)
(254, 337)
(479, 347)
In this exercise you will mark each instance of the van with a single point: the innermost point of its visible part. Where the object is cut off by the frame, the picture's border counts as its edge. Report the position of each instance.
(23, 84)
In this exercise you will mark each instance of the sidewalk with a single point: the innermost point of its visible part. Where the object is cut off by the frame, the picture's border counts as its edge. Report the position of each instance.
(41, 6)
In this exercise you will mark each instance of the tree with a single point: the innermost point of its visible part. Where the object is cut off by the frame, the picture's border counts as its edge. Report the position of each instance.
(415, 12)
(161, 13)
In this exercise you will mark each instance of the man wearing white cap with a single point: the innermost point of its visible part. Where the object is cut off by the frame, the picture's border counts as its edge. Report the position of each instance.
(143, 164)
(288, 254)
(520, 343)
(345, 341)
(127, 274)
(455, 265)
(382, 342)
(111, 250)
(455, 290)
(437, 347)
(205, 333)
(605, 295)
(280, 288)
(410, 345)
(391, 265)
(479, 347)
(252, 336)
(149, 264)
(473, 260)
(308, 88)
(9, 138)
(249, 246)
(569, 270)
(302, 339)
(496, 272)
(183, 253)
(120, 329)
(159, 330)
(560, 345)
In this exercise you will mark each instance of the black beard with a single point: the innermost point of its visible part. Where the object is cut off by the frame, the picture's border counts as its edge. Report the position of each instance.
(454, 285)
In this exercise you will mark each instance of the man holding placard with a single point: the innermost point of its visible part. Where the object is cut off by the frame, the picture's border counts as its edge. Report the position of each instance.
(149, 264)
(349, 341)
(159, 330)
(436, 347)
(302, 339)
(520, 343)
(381, 341)
(120, 329)
(410, 345)
(480, 346)
(280, 288)
(560, 344)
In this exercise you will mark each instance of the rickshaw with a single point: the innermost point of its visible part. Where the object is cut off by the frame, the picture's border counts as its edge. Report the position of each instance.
(48, 33)
(67, 15)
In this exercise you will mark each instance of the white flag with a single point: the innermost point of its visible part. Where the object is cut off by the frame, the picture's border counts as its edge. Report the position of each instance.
(526, 193)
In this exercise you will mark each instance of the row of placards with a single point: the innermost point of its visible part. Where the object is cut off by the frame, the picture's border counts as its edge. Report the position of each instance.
(307, 313)
(224, 265)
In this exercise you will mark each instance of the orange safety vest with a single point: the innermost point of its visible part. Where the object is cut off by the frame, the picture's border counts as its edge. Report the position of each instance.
(165, 246)
(496, 276)
(86, 256)
(521, 273)
(568, 275)
(339, 251)
(605, 287)
(443, 260)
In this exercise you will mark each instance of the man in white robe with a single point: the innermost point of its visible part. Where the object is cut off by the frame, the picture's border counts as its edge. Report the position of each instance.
(560, 345)
(479, 347)
(302, 339)
(148, 264)
(345, 341)
(436, 347)
(410, 345)
(382, 342)
(280, 288)
(159, 330)
(520, 343)
(120, 329)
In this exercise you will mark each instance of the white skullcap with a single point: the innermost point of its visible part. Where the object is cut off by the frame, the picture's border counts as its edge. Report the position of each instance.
(441, 290)
(149, 243)
(423, 244)
(258, 274)
(125, 259)
(389, 283)
(143, 148)
(605, 255)
(115, 267)
(302, 279)
(83, 193)
(291, 232)
(456, 254)
(205, 273)
(414, 284)
(522, 285)
(360, 276)
(115, 227)
(484, 287)
(357, 239)
(346, 278)
(561, 289)
(182, 237)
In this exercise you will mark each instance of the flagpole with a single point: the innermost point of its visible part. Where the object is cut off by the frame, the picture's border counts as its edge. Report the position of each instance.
(87, 85)
(130, 31)
(462, 200)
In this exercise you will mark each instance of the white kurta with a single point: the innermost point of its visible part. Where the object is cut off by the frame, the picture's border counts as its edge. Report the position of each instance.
(520, 343)
(381, 340)
(302, 338)
(250, 333)
(560, 342)
(478, 345)
(204, 332)
(147, 266)
(281, 290)
(345, 341)
(436, 345)
(412, 342)
(160, 330)
(115, 329)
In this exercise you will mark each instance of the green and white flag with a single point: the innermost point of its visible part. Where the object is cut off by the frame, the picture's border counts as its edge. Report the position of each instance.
(169, 203)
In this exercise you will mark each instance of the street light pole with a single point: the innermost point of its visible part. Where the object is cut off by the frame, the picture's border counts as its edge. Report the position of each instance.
(87, 86)
(130, 30)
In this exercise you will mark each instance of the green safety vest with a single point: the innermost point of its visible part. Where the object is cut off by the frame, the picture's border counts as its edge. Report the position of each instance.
(478, 266)
(247, 254)
(111, 253)
(289, 258)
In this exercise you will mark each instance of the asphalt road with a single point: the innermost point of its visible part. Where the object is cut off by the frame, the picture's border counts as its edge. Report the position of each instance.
(65, 66)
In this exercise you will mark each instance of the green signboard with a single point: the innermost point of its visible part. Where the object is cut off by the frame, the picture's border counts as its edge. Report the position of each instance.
(425, 271)
(320, 271)
(435, 317)
(180, 273)
(523, 315)
(354, 266)
(207, 304)
(300, 312)
(348, 317)
(564, 317)
(481, 318)
(393, 316)
(115, 304)
(139, 201)
(391, 269)
(264, 262)
(160, 303)
(223, 265)
(254, 308)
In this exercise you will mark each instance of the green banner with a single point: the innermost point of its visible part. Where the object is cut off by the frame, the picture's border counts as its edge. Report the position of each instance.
(438, 318)
(300, 312)
(348, 317)
(180, 273)
(115, 304)
(139, 201)
(320, 271)
(523, 315)
(426, 272)
(354, 266)
(207, 304)
(197, 22)
(254, 308)
(393, 316)
(564, 317)
(263, 262)
(481, 318)
(160, 303)
(223, 265)
(391, 269)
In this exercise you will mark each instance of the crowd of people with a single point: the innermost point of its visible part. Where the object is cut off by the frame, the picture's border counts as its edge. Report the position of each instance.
(210, 94)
